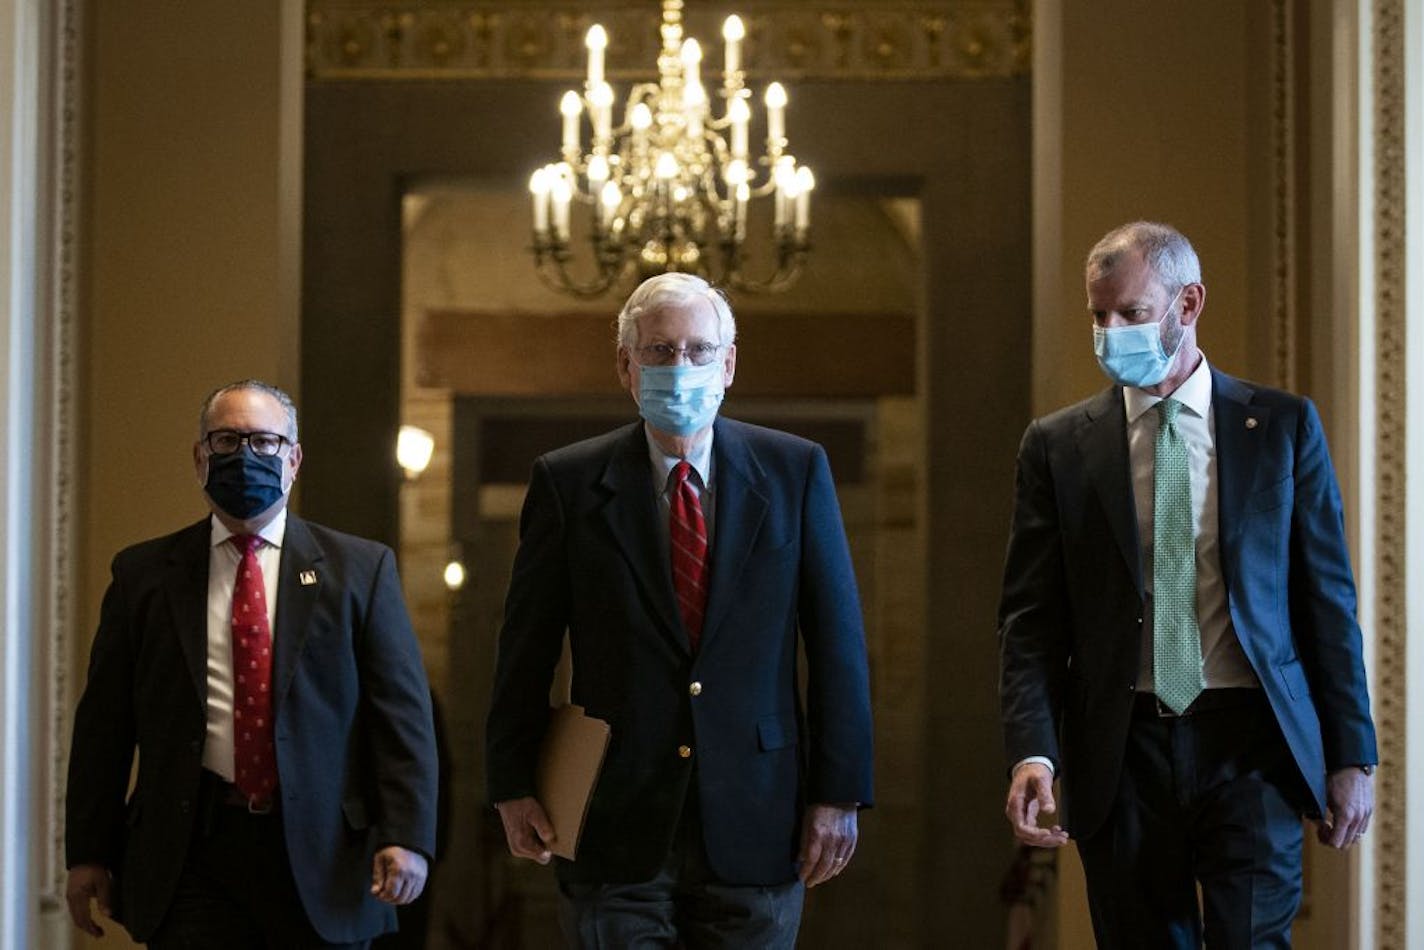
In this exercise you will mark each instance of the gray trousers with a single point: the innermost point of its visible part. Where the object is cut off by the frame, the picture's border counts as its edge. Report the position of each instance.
(684, 905)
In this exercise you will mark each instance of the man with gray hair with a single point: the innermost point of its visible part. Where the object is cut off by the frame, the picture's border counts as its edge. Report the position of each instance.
(264, 670)
(1178, 642)
(682, 556)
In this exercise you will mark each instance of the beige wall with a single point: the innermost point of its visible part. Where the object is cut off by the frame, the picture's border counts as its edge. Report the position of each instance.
(190, 251)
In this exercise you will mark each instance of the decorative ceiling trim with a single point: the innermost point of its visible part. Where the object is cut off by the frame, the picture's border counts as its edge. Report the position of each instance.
(873, 40)
(1391, 824)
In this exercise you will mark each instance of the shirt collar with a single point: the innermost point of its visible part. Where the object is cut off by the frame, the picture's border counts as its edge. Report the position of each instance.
(700, 458)
(273, 532)
(1194, 394)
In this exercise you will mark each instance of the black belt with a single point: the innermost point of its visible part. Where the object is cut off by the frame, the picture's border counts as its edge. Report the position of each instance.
(220, 792)
(1148, 706)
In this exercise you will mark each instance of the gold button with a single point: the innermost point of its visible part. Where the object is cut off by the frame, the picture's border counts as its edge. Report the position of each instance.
(695, 689)
(684, 751)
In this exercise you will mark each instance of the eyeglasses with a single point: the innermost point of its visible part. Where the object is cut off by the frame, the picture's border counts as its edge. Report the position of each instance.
(228, 441)
(665, 354)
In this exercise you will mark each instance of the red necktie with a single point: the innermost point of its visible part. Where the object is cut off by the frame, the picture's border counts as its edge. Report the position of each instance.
(254, 751)
(687, 530)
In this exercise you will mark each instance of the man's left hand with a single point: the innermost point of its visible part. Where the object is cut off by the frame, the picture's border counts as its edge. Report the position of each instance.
(828, 834)
(398, 875)
(1349, 800)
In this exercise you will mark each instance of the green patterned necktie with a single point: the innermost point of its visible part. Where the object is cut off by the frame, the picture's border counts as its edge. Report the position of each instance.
(1176, 642)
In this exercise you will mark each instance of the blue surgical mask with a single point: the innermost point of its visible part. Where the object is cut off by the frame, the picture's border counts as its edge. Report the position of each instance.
(681, 399)
(1133, 355)
(244, 484)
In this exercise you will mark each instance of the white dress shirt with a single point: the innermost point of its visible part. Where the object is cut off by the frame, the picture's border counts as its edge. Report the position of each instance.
(1223, 661)
(223, 558)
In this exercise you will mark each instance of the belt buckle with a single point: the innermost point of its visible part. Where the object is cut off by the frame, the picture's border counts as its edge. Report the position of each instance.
(262, 808)
(1163, 710)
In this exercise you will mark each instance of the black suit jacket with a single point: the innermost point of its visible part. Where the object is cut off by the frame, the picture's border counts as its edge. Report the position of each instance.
(1073, 598)
(355, 745)
(591, 562)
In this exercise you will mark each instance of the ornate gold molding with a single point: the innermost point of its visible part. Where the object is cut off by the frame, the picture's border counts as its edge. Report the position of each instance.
(1284, 309)
(1391, 821)
(874, 39)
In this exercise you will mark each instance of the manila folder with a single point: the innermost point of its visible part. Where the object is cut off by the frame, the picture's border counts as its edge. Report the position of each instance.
(568, 770)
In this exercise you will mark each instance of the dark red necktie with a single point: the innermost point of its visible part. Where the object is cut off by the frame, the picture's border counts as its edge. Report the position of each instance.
(254, 751)
(687, 530)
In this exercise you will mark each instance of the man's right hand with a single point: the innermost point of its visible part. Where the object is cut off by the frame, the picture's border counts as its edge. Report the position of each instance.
(88, 881)
(1031, 794)
(527, 829)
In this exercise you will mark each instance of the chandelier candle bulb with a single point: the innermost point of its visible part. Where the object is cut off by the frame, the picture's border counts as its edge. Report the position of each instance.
(562, 192)
(744, 194)
(601, 105)
(570, 107)
(691, 57)
(733, 33)
(694, 102)
(740, 114)
(597, 41)
(805, 181)
(539, 189)
(775, 116)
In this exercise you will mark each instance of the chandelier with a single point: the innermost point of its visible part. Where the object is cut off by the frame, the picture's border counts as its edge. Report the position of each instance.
(668, 189)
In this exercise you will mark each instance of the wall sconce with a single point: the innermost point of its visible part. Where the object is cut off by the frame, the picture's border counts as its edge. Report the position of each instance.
(454, 575)
(414, 446)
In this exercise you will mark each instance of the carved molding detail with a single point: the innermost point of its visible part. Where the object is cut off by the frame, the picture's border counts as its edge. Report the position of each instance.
(876, 39)
(1284, 311)
(59, 420)
(1391, 821)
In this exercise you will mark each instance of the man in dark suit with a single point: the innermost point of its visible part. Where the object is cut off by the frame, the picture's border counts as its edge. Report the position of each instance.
(682, 556)
(1177, 628)
(265, 671)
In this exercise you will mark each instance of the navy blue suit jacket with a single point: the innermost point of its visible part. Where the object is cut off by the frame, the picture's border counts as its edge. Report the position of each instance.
(591, 563)
(1073, 598)
(355, 742)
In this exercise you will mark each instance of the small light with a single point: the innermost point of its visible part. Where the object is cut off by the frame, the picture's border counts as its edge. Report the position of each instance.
(732, 29)
(805, 181)
(611, 196)
(776, 96)
(666, 168)
(454, 575)
(736, 172)
(570, 105)
(596, 38)
(414, 446)
(691, 53)
(642, 117)
(539, 182)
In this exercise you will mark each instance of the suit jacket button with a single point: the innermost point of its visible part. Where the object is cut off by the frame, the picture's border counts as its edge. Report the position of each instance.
(183, 806)
(684, 751)
(695, 689)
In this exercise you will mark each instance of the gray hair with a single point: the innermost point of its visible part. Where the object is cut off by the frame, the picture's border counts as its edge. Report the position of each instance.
(1166, 250)
(670, 290)
(257, 385)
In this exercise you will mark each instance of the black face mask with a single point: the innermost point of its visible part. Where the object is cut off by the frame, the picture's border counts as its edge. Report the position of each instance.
(244, 484)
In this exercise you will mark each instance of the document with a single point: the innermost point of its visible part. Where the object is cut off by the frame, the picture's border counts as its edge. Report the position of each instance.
(568, 771)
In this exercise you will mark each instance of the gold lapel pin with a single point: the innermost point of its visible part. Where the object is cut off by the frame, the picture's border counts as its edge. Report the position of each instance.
(1250, 423)
(308, 578)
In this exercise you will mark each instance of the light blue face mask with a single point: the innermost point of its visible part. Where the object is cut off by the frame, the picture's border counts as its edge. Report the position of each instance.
(681, 399)
(1133, 355)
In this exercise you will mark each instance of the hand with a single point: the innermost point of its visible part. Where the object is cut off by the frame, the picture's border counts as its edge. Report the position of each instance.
(397, 875)
(527, 829)
(828, 835)
(1031, 794)
(88, 881)
(1349, 802)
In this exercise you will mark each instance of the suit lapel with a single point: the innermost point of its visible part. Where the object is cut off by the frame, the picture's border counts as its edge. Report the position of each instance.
(741, 506)
(299, 582)
(632, 515)
(186, 588)
(1239, 430)
(1102, 441)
